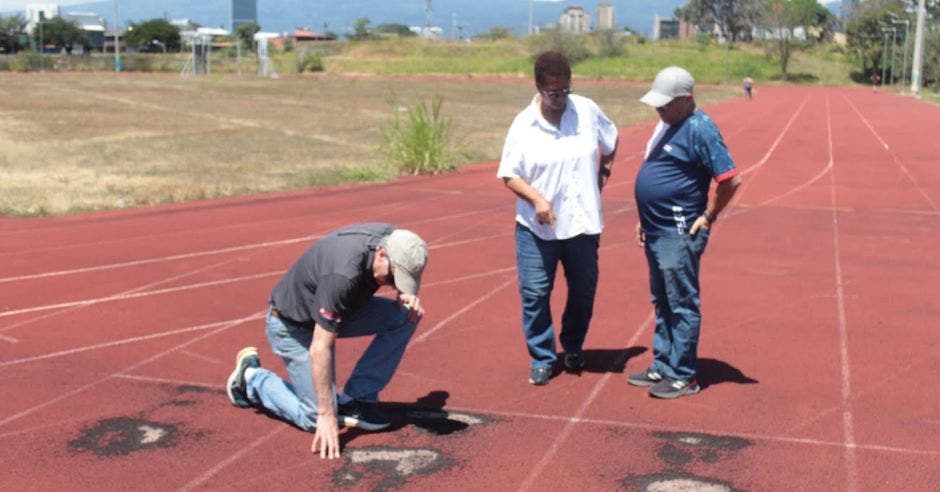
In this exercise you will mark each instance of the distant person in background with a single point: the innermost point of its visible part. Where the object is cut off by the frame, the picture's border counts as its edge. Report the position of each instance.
(328, 294)
(748, 88)
(550, 161)
(684, 154)
(875, 80)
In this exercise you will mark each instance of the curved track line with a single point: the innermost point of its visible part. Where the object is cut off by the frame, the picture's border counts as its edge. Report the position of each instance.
(894, 156)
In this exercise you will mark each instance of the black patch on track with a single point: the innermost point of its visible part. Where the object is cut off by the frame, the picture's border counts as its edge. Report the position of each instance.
(121, 436)
(387, 472)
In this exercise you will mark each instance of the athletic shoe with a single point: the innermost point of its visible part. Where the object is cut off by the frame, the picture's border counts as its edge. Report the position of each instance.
(540, 375)
(363, 415)
(237, 387)
(574, 361)
(674, 388)
(648, 377)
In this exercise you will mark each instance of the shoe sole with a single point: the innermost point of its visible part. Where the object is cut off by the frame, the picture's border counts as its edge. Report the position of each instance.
(645, 383)
(233, 378)
(690, 390)
(348, 421)
(537, 383)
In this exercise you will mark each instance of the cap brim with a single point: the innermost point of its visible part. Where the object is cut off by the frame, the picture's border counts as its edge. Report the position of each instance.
(405, 282)
(655, 99)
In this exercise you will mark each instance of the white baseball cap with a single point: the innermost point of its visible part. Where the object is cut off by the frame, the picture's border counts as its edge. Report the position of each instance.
(670, 83)
(409, 254)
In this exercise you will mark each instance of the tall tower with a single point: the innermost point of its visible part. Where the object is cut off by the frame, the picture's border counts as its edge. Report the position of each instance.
(605, 16)
(244, 12)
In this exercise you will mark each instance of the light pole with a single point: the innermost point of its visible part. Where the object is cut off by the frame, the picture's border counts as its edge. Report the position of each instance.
(907, 27)
(884, 55)
(918, 64)
(42, 44)
(117, 39)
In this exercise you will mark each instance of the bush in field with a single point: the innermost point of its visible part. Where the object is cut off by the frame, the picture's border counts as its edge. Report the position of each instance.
(26, 61)
(572, 46)
(309, 62)
(417, 143)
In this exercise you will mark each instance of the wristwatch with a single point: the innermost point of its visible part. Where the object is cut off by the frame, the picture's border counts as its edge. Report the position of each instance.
(709, 217)
(604, 170)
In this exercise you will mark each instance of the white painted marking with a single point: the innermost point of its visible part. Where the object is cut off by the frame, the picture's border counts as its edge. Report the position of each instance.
(126, 341)
(409, 461)
(695, 441)
(894, 157)
(569, 427)
(122, 297)
(424, 336)
(685, 485)
(177, 382)
(847, 426)
(151, 434)
(242, 451)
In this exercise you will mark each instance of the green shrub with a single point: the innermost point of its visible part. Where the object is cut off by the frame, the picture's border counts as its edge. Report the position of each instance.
(309, 62)
(572, 46)
(418, 143)
(26, 61)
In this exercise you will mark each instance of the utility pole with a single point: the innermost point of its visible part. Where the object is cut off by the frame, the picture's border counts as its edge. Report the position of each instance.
(42, 44)
(918, 63)
(884, 56)
(117, 39)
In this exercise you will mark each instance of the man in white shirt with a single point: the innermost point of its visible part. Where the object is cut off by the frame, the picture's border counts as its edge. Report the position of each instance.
(550, 161)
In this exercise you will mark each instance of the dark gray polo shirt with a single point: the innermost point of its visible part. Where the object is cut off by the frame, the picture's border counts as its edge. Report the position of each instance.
(332, 278)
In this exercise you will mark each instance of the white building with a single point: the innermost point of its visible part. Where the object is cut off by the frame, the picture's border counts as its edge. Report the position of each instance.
(605, 16)
(49, 11)
(575, 20)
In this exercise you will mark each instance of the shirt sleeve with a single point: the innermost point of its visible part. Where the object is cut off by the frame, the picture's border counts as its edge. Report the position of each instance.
(711, 151)
(606, 133)
(332, 301)
(510, 163)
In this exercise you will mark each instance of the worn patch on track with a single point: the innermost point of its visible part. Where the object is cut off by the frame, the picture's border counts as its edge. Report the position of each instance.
(684, 447)
(675, 482)
(442, 423)
(390, 466)
(121, 436)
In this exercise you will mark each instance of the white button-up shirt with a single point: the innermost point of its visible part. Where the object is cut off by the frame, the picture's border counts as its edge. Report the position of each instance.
(561, 163)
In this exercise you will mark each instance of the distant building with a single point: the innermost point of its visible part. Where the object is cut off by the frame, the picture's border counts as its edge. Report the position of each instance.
(184, 24)
(665, 28)
(48, 10)
(93, 25)
(575, 20)
(605, 16)
(244, 12)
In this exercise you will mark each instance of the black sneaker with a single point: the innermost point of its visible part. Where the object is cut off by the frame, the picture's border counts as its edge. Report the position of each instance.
(540, 375)
(574, 361)
(674, 388)
(363, 415)
(237, 388)
(648, 377)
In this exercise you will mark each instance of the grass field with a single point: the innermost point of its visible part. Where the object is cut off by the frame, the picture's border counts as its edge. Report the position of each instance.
(82, 142)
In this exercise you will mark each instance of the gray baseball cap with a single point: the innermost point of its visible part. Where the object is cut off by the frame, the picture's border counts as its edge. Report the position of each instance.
(408, 254)
(670, 83)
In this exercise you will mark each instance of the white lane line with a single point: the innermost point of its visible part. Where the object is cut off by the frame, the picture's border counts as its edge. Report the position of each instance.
(122, 297)
(696, 430)
(67, 395)
(574, 420)
(848, 429)
(242, 451)
(161, 259)
(153, 336)
(130, 291)
(174, 382)
(894, 156)
(424, 336)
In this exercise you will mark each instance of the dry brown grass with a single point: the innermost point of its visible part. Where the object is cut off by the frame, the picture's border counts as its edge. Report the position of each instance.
(79, 142)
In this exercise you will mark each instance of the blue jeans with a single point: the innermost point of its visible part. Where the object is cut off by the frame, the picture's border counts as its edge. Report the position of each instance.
(296, 401)
(674, 268)
(537, 261)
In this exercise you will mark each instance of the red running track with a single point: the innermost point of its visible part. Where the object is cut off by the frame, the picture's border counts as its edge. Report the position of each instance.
(819, 353)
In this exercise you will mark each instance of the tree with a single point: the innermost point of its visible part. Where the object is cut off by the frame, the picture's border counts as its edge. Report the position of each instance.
(782, 17)
(361, 29)
(11, 30)
(399, 30)
(735, 19)
(245, 33)
(153, 35)
(865, 37)
(60, 33)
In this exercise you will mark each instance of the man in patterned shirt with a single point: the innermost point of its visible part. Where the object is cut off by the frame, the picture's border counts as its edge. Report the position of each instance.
(685, 153)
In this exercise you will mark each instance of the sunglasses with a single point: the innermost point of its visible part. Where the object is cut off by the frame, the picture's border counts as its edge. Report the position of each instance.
(557, 93)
